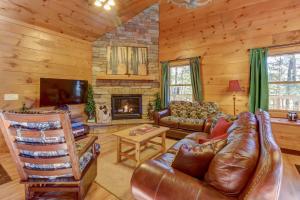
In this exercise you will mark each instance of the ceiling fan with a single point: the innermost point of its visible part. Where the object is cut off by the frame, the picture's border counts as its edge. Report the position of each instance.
(106, 4)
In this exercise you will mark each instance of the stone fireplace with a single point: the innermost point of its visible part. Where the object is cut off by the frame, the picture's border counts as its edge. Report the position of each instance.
(140, 31)
(126, 106)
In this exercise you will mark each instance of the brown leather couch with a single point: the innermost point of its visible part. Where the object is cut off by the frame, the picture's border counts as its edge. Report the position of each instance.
(248, 167)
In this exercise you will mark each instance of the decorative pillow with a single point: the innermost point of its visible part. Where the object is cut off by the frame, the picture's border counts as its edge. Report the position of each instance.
(215, 119)
(195, 160)
(220, 128)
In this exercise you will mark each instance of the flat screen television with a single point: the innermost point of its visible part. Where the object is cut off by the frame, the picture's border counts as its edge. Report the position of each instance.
(57, 92)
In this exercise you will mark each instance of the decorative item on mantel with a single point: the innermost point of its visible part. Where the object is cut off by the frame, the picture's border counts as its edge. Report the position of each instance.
(90, 106)
(190, 3)
(292, 116)
(234, 87)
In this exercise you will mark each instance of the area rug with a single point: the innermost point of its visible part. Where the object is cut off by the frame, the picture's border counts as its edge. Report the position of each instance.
(4, 177)
(115, 177)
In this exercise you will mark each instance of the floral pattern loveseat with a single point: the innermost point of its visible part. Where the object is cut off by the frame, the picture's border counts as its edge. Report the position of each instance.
(183, 117)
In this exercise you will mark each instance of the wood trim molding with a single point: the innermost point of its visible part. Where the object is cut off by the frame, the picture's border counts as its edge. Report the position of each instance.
(284, 121)
(126, 77)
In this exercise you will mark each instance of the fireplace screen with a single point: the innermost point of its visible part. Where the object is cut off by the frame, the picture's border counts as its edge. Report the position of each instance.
(126, 106)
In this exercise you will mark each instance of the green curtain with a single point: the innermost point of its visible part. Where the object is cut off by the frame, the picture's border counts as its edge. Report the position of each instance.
(165, 93)
(259, 88)
(196, 79)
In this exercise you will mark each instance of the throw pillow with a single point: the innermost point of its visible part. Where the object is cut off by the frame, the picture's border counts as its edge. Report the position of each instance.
(220, 128)
(195, 160)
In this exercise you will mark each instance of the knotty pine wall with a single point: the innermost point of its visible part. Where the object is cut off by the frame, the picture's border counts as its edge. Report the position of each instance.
(28, 53)
(221, 33)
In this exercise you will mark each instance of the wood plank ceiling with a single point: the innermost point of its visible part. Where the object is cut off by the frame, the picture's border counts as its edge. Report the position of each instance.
(78, 18)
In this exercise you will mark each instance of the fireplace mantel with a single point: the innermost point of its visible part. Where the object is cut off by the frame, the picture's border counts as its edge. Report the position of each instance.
(126, 77)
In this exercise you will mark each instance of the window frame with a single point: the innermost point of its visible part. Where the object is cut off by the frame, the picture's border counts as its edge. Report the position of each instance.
(280, 112)
(179, 64)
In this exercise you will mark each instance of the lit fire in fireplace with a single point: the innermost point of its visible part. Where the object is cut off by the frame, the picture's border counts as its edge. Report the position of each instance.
(126, 106)
(126, 109)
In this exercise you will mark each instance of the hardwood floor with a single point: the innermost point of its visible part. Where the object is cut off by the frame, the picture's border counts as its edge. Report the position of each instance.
(290, 189)
(15, 191)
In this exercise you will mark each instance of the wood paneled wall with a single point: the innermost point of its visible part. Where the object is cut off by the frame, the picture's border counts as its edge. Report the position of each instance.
(221, 33)
(28, 53)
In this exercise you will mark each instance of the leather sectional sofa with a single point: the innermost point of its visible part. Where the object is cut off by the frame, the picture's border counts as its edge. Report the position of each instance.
(248, 167)
(184, 117)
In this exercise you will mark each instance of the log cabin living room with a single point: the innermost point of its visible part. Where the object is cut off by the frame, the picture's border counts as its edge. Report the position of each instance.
(150, 99)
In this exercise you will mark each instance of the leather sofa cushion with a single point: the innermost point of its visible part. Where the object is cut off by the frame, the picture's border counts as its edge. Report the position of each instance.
(197, 135)
(194, 160)
(221, 137)
(231, 168)
(202, 137)
(169, 121)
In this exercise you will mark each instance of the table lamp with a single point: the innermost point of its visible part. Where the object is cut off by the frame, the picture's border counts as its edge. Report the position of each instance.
(234, 87)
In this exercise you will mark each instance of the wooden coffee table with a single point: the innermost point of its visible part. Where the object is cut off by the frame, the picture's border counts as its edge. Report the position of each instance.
(138, 141)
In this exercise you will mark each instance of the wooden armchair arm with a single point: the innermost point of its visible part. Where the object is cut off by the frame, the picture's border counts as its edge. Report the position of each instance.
(88, 142)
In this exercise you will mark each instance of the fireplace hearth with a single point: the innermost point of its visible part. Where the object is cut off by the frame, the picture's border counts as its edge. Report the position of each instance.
(128, 106)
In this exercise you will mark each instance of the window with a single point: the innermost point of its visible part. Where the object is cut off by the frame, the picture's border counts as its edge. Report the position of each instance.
(180, 83)
(284, 82)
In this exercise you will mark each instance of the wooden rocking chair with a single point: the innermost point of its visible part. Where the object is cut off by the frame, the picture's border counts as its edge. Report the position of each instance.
(48, 159)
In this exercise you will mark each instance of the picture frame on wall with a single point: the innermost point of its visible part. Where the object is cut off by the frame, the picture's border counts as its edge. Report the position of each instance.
(127, 60)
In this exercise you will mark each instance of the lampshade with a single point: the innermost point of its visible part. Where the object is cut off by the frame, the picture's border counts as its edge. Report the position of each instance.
(234, 86)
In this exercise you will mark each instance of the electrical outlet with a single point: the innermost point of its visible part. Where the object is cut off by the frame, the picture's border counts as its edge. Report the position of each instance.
(11, 97)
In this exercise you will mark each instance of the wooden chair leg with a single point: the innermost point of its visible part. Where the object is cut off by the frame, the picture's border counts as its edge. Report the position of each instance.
(80, 192)
(27, 192)
(75, 195)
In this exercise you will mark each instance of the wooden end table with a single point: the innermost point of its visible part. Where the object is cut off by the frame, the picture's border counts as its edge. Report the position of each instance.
(138, 141)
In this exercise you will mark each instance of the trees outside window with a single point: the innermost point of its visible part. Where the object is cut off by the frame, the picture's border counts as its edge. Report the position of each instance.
(180, 83)
(284, 82)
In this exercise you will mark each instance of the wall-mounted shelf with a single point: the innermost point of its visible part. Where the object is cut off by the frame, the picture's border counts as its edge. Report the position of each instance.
(126, 77)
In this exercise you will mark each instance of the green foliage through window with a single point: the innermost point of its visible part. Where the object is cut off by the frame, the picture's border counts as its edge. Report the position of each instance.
(180, 83)
(284, 82)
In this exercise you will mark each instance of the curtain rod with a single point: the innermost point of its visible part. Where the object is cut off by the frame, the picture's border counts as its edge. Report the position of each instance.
(281, 45)
(180, 59)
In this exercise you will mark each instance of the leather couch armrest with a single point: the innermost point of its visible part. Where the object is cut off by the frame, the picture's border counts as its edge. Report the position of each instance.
(163, 182)
(160, 114)
(207, 125)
